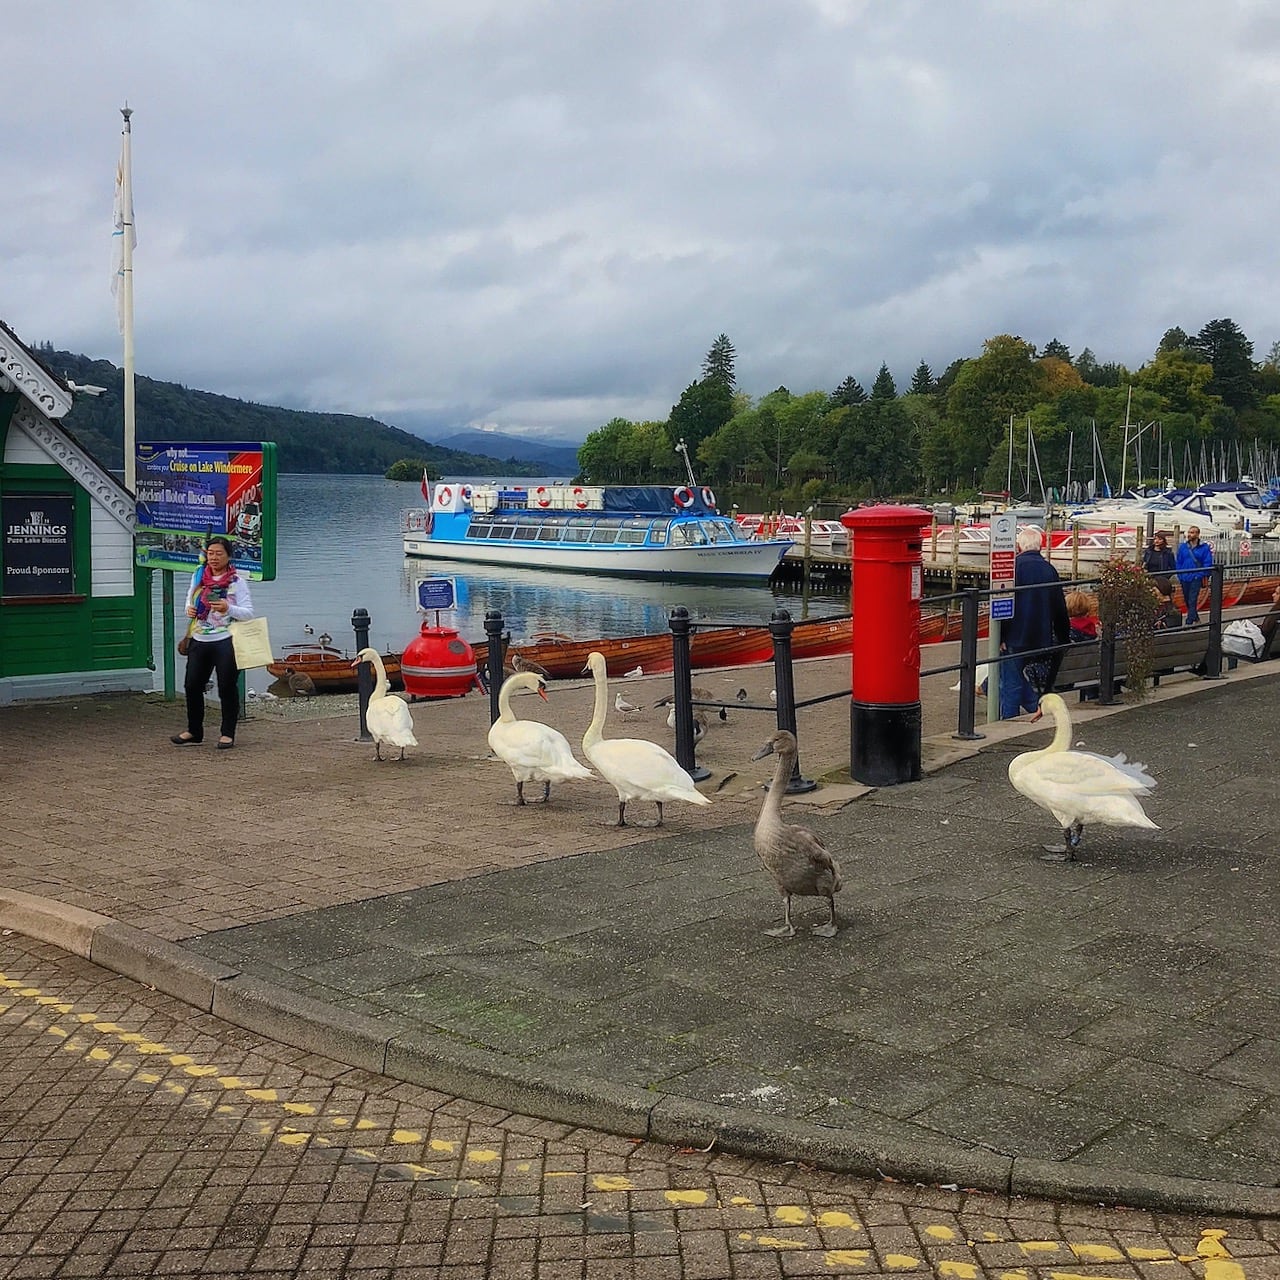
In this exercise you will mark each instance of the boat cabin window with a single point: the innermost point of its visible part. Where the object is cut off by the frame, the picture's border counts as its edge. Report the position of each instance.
(719, 530)
(604, 532)
(688, 535)
(527, 532)
(504, 528)
(658, 532)
(478, 528)
(578, 530)
(550, 530)
(633, 532)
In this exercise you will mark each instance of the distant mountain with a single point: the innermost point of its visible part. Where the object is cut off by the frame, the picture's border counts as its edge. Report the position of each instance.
(305, 442)
(558, 457)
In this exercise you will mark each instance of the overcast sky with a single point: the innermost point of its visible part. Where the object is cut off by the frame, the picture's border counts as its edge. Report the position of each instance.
(539, 215)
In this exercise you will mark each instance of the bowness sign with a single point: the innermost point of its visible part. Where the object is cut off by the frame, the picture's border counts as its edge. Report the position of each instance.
(189, 491)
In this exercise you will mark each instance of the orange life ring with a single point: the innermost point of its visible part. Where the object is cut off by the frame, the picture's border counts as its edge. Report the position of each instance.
(540, 493)
(579, 500)
(708, 496)
(444, 495)
(683, 496)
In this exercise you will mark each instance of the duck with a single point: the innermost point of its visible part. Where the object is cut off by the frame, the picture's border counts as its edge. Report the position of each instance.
(387, 716)
(795, 858)
(636, 768)
(533, 752)
(300, 684)
(520, 663)
(1080, 786)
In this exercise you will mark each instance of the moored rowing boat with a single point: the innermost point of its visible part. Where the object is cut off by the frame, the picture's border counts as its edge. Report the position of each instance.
(330, 669)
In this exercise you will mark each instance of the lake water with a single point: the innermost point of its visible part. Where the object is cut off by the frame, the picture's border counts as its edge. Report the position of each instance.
(339, 549)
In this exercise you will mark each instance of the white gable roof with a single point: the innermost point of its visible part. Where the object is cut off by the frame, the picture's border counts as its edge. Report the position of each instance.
(20, 370)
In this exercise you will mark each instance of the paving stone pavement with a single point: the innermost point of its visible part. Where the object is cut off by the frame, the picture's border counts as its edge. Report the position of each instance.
(1109, 1029)
(138, 1138)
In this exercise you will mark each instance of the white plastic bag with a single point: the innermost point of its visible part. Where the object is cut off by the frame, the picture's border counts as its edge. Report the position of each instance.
(1242, 638)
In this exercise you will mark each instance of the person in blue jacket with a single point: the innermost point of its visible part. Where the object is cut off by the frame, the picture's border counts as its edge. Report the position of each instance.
(1195, 559)
(1039, 621)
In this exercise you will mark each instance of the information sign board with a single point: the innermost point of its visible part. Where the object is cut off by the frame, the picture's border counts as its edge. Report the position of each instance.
(1004, 551)
(436, 593)
(189, 491)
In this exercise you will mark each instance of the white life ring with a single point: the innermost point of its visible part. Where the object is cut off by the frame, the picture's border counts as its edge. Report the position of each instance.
(444, 496)
(542, 496)
(579, 499)
(708, 496)
(683, 496)
(465, 493)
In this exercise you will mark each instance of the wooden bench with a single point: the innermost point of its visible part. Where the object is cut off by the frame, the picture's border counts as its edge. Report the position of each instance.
(1180, 649)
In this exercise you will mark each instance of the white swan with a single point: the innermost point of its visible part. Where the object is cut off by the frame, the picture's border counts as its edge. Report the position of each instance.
(1079, 786)
(636, 768)
(794, 856)
(387, 716)
(533, 752)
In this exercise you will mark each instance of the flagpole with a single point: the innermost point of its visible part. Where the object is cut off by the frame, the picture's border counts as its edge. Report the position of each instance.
(126, 299)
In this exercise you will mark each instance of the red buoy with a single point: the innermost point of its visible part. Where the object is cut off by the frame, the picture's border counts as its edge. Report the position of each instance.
(438, 663)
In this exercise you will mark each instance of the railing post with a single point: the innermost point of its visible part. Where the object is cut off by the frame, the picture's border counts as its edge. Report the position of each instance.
(1107, 667)
(493, 662)
(360, 623)
(1213, 657)
(969, 667)
(682, 693)
(780, 628)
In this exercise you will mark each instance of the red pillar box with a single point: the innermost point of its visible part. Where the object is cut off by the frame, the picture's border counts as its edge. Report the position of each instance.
(888, 582)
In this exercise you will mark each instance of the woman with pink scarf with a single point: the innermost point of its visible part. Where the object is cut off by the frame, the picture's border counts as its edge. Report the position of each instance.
(218, 596)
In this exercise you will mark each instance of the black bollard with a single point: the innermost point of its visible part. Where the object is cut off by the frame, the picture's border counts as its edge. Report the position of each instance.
(780, 628)
(360, 622)
(1213, 657)
(969, 667)
(493, 663)
(682, 693)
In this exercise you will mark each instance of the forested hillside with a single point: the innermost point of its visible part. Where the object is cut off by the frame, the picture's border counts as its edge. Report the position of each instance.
(329, 442)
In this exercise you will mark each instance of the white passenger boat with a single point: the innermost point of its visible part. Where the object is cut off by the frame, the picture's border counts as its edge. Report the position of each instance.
(646, 531)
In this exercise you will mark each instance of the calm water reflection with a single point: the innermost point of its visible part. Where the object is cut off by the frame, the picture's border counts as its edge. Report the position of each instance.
(339, 549)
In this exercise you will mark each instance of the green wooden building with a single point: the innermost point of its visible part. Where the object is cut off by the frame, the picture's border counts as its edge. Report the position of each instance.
(75, 611)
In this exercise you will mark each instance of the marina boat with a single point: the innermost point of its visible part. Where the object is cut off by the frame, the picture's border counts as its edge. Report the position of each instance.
(646, 531)
(330, 669)
(970, 545)
(825, 536)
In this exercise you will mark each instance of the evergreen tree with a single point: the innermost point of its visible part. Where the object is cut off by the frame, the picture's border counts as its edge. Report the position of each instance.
(703, 409)
(884, 387)
(1174, 339)
(922, 382)
(718, 363)
(1230, 353)
(847, 394)
(1058, 350)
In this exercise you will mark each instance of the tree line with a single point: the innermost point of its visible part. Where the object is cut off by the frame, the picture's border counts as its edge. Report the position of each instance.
(1199, 397)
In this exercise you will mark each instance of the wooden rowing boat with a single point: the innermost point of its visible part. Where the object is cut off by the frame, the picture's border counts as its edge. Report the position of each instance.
(330, 669)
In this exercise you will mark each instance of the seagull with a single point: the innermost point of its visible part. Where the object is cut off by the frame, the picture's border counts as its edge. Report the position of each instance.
(269, 697)
(773, 695)
(634, 673)
(621, 704)
(87, 389)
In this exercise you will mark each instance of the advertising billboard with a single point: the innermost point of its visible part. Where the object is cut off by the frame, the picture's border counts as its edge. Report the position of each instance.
(38, 549)
(186, 492)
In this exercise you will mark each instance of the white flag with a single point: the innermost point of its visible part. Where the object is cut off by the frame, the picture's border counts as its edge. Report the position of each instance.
(121, 218)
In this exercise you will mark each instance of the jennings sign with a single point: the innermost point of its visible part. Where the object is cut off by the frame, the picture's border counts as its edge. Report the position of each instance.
(39, 555)
(188, 492)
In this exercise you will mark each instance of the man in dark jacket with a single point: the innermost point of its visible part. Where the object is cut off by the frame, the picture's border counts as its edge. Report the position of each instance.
(1039, 621)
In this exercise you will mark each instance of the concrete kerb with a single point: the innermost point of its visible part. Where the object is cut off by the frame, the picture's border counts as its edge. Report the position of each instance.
(436, 1062)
